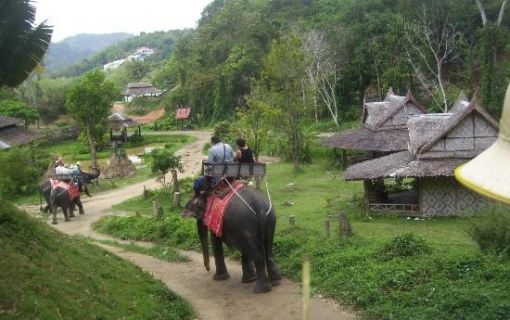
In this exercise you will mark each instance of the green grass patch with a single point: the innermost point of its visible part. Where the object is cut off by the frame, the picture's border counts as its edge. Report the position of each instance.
(48, 275)
(392, 268)
(164, 253)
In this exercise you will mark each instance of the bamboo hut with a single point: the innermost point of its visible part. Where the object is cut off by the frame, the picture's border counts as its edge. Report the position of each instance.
(437, 144)
(383, 130)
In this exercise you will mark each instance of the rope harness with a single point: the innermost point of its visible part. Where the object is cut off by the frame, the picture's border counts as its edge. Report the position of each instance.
(246, 203)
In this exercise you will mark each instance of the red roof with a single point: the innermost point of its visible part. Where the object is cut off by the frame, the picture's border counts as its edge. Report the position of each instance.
(182, 113)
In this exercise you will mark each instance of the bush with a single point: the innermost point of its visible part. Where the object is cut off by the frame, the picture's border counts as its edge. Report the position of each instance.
(20, 169)
(492, 231)
(405, 245)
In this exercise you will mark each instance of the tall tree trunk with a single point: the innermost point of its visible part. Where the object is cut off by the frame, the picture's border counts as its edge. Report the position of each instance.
(92, 145)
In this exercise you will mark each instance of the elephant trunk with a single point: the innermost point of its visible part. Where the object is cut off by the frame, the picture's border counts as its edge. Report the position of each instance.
(204, 241)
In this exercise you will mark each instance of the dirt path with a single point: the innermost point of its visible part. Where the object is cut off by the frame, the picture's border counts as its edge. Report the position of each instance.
(211, 299)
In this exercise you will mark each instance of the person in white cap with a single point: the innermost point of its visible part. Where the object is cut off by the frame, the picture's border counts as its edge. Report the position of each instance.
(489, 172)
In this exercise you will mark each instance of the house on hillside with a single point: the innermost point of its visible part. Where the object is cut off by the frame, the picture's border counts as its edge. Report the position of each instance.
(142, 89)
(437, 144)
(383, 130)
(12, 133)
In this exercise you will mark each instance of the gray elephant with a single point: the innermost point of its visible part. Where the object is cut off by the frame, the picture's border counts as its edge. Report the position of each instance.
(61, 197)
(247, 227)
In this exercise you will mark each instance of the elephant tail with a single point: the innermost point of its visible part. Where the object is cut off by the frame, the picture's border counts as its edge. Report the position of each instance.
(40, 201)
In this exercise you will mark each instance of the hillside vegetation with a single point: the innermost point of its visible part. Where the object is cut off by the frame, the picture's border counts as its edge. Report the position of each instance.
(73, 49)
(48, 275)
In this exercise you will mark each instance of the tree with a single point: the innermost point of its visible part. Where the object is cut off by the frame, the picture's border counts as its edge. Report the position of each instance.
(164, 161)
(22, 44)
(285, 76)
(254, 120)
(322, 72)
(431, 45)
(491, 42)
(18, 109)
(89, 101)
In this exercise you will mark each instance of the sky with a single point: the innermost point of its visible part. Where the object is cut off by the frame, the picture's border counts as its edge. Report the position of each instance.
(71, 17)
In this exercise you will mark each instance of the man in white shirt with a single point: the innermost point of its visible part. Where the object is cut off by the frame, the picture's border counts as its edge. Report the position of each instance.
(220, 152)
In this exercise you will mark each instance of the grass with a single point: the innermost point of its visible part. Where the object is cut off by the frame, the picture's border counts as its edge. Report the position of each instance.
(443, 275)
(164, 253)
(48, 275)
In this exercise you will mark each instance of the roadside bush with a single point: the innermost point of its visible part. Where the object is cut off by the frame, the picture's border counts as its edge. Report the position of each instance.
(492, 231)
(20, 169)
(405, 245)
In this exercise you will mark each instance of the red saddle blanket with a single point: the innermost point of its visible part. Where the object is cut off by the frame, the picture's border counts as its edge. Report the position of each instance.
(217, 202)
(72, 188)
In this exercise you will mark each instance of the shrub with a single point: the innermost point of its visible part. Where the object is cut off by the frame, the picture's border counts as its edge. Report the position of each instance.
(405, 245)
(492, 231)
(20, 169)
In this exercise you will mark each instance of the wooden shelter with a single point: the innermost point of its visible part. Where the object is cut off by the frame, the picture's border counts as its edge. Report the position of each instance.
(142, 89)
(437, 144)
(12, 133)
(121, 122)
(383, 130)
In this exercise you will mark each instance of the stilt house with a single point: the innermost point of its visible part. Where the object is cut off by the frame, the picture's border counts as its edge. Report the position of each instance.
(437, 144)
(383, 130)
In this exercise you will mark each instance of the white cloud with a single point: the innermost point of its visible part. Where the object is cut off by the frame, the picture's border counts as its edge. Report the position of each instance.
(70, 17)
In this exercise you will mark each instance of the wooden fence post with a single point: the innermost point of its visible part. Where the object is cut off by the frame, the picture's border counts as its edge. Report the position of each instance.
(157, 210)
(292, 220)
(145, 193)
(345, 229)
(175, 181)
(177, 199)
(327, 228)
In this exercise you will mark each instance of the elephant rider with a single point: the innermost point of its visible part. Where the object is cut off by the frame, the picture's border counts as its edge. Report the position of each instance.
(218, 153)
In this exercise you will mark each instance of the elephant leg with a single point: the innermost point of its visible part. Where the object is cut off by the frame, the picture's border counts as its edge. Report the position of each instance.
(65, 208)
(80, 206)
(274, 273)
(71, 210)
(54, 214)
(219, 259)
(248, 269)
(46, 208)
(259, 257)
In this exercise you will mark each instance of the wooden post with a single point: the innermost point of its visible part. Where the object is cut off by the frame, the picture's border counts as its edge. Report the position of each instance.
(344, 159)
(175, 181)
(177, 199)
(327, 228)
(345, 229)
(292, 220)
(157, 210)
(145, 193)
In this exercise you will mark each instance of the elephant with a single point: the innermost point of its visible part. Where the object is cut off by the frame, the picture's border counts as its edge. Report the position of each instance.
(250, 232)
(60, 197)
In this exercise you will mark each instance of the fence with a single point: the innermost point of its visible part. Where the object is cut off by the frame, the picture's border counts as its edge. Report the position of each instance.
(394, 207)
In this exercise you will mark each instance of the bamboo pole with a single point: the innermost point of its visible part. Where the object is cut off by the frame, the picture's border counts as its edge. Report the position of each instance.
(306, 288)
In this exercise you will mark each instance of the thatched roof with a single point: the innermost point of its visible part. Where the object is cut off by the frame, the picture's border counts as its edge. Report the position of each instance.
(141, 89)
(461, 104)
(377, 134)
(402, 165)
(426, 130)
(13, 136)
(6, 121)
(118, 121)
(377, 114)
(369, 140)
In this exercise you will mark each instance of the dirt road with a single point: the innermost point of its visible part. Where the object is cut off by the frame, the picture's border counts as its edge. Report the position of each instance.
(211, 299)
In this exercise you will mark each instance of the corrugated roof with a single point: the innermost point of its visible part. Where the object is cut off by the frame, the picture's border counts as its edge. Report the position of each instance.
(182, 113)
